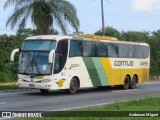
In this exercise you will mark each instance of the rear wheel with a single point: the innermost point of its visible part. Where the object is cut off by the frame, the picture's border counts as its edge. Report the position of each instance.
(133, 82)
(126, 83)
(44, 91)
(73, 86)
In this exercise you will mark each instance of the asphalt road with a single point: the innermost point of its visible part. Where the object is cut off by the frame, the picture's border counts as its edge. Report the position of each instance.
(58, 100)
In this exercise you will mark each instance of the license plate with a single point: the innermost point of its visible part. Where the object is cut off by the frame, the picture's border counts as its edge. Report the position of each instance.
(31, 85)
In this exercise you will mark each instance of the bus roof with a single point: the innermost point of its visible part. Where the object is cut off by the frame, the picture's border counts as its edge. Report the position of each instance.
(84, 37)
(51, 37)
(78, 37)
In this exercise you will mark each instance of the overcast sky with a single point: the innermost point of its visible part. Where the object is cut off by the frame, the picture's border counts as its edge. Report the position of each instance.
(133, 15)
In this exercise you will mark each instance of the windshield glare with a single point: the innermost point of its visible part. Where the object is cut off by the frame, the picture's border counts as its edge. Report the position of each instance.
(34, 63)
(45, 45)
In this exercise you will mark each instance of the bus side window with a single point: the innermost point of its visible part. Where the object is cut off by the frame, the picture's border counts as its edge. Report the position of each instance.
(146, 51)
(76, 48)
(113, 50)
(61, 56)
(123, 50)
(89, 49)
(139, 51)
(132, 51)
(102, 50)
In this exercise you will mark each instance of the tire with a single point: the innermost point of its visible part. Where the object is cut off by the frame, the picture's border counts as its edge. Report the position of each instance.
(133, 84)
(73, 86)
(126, 84)
(44, 91)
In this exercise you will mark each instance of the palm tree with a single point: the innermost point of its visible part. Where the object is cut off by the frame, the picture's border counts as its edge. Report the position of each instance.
(43, 13)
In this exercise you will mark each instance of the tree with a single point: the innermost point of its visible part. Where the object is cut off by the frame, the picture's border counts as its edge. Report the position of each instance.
(30, 32)
(135, 36)
(109, 31)
(43, 13)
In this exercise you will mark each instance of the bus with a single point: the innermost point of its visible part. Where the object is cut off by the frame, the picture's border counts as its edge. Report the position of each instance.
(54, 62)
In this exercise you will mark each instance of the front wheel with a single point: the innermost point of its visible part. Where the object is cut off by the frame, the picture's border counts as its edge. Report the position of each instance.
(73, 86)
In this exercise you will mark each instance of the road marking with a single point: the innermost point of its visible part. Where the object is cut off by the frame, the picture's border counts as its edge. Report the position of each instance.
(83, 106)
(1, 103)
(16, 92)
(6, 93)
(125, 90)
(6, 118)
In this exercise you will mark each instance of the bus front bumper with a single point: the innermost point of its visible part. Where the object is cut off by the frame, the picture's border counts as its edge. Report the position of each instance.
(35, 85)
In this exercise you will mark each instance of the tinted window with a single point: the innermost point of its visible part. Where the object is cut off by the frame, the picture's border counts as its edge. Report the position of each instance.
(39, 45)
(132, 51)
(61, 56)
(76, 48)
(102, 50)
(146, 51)
(89, 49)
(112, 50)
(139, 51)
(123, 51)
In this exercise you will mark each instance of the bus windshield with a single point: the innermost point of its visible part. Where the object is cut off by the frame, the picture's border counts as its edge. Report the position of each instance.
(34, 63)
(42, 45)
(34, 57)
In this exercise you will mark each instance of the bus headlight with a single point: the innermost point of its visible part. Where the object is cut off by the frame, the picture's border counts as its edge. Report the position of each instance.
(46, 80)
(20, 79)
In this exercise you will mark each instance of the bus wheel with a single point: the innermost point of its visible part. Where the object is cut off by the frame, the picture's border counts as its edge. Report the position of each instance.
(126, 83)
(133, 82)
(73, 86)
(44, 91)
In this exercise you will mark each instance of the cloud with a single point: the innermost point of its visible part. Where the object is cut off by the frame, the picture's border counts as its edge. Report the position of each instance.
(146, 5)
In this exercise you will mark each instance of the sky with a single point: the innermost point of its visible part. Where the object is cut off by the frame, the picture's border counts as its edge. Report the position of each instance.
(124, 15)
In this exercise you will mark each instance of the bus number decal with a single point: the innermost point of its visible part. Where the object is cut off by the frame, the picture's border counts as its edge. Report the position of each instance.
(143, 63)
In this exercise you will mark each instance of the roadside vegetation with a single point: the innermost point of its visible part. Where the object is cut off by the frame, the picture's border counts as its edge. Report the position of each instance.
(135, 105)
(8, 87)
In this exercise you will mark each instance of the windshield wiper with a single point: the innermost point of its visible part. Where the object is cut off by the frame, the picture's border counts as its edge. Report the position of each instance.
(31, 63)
(27, 67)
(36, 65)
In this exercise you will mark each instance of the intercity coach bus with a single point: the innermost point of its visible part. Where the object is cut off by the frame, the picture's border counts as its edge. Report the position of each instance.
(54, 62)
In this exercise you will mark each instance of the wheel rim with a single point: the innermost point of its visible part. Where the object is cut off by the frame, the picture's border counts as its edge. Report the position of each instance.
(134, 82)
(126, 83)
(73, 85)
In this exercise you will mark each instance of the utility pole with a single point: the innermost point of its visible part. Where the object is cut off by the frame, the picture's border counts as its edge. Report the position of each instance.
(102, 11)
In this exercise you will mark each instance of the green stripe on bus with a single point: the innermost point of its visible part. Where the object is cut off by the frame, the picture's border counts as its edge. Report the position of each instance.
(92, 71)
(100, 71)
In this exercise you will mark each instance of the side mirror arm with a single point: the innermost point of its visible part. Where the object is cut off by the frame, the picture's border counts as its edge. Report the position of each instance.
(13, 54)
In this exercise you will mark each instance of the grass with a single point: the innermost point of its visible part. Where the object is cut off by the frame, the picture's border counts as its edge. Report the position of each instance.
(151, 104)
(5, 84)
(148, 105)
(8, 86)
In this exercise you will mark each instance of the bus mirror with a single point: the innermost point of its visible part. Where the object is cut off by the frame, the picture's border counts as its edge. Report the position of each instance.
(50, 57)
(13, 54)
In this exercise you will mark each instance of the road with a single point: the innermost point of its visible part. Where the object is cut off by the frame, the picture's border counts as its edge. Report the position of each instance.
(58, 100)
